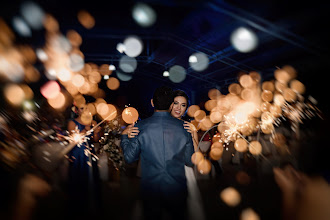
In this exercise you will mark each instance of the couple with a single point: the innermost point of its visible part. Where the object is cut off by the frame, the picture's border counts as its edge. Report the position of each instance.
(165, 147)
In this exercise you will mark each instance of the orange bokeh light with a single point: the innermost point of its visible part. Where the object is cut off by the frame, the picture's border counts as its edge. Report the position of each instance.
(130, 115)
(113, 83)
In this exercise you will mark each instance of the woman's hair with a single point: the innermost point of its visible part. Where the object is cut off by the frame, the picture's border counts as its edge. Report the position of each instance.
(179, 92)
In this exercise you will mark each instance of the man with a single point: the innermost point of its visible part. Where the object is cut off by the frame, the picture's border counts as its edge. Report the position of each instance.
(164, 147)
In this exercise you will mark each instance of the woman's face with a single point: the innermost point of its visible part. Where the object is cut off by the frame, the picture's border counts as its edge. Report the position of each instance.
(81, 109)
(179, 106)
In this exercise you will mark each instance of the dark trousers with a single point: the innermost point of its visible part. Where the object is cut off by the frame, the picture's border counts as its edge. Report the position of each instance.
(165, 207)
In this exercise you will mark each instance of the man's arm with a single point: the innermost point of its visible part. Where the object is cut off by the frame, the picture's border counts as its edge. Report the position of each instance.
(131, 148)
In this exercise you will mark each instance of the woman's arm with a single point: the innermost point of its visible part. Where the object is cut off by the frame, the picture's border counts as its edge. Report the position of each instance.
(97, 131)
(131, 131)
(193, 131)
(71, 127)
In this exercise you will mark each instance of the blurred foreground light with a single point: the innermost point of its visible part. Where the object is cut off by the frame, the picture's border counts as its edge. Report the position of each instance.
(177, 74)
(58, 101)
(104, 69)
(76, 62)
(244, 40)
(50, 90)
(33, 14)
(255, 147)
(249, 214)
(204, 166)
(74, 38)
(51, 74)
(230, 196)
(197, 157)
(21, 27)
(130, 115)
(86, 19)
(133, 46)
(127, 64)
(166, 74)
(112, 67)
(144, 15)
(41, 54)
(51, 24)
(10, 66)
(60, 43)
(192, 110)
(29, 115)
(64, 75)
(27, 91)
(14, 94)
(113, 83)
(124, 76)
(111, 113)
(198, 61)
(106, 77)
(78, 80)
(28, 105)
(121, 47)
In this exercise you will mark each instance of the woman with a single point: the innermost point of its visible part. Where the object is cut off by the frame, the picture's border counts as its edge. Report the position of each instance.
(178, 109)
(83, 170)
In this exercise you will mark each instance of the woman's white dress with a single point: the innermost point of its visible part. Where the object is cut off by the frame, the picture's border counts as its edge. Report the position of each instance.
(194, 201)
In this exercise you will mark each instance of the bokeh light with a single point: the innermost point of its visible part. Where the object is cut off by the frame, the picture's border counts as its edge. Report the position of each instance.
(230, 196)
(58, 101)
(197, 157)
(86, 19)
(133, 46)
(241, 145)
(199, 61)
(204, 166)
(130, 115)
(249, 214)
(14, 94)
(144, 15)
(177, 74)
(244, 40)
(113, 83)
(33, 14)
(255, 147)
(127, 64)
(50, 89)
(21, 27)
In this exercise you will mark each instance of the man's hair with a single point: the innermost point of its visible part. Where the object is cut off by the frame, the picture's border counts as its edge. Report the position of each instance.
(163, 98)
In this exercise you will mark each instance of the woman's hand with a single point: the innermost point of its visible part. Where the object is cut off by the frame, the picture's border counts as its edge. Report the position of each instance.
(189, 127)
(87, 127)
(193, 131)
(131, 131)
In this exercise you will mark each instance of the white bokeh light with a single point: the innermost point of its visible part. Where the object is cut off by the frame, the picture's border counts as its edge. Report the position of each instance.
(21, 27)
(244, 40)
(121, 47)
(199, 61)
(33, 14)
(144, 15)
(124, 76)
(112, 67)
(76, 62)
(127, 64)
(177, 74)
(133, 46)
(41, 54)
